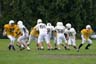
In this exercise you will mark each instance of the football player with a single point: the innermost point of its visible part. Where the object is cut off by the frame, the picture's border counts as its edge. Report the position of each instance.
(33, 35)
(60, 34)
(70, 36)
(9, 32)
(85, 34)
(66, 33)
(17, 35)
(50, 29)
(25, 33)
(42, 28)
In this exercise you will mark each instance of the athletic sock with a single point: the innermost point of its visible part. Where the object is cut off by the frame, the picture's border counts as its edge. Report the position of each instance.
(87, 46)
(80, 46)
(75, 47)
(9, 47)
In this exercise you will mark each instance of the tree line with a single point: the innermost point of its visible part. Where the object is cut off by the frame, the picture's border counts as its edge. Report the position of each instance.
(77, 12)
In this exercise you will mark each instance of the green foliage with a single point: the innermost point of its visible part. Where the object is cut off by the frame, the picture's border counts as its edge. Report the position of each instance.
(77, 12)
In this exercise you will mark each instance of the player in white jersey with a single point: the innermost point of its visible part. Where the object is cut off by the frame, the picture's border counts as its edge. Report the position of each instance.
(70, 36)
(42, 28)
(50, 28)
(60, 34)
(23, 38)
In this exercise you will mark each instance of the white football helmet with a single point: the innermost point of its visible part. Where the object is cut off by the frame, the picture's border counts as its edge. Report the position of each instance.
(68, 25)
(59, 24)
(72, 30)
(11, 22)
(88, 26)
(48, 24)
(39, 21)
(19, 22)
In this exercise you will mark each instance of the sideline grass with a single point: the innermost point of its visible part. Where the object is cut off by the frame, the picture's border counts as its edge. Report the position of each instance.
(47, 57)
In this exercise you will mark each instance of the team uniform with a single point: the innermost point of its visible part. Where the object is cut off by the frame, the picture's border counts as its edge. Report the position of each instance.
(33, 35)
(85, 34)
(71, 37)
(42, 28)
(17, 32)
(9, 32)
(50, 29)
(60, 34)
(25, 33)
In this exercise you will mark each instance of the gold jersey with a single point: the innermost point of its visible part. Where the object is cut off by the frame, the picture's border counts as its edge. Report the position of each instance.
(34, 32)
(9, 29)
(17, 32)
(86, 33)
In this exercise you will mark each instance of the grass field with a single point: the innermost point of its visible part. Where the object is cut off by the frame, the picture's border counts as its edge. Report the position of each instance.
(47, 57)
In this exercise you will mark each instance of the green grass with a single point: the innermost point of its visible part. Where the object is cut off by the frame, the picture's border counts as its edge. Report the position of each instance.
(47, 57)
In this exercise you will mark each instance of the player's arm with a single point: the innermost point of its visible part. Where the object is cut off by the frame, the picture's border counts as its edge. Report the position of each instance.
(37, 27)
(4, 31)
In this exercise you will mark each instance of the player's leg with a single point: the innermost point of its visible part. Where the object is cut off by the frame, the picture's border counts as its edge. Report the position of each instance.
(36, 41)
(25, 44)
(19, 40)
(13, 39)
(59, 40)
(62, 40)
(30, 39)
(47, 39)
(22, 40)
(25, 41)
(11, 44)
(19, 44)
(40, 40)
(55, 42)
(74, 43)
(83, 41)
(66, 41)
(89, 44)
(69, 43)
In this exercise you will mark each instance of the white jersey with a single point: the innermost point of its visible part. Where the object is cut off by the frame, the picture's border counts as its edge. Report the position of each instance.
(50, 29)
(42, 28)
(60, 29)
(70, 32)
(24, 30)
(60, 34)
(25, 34)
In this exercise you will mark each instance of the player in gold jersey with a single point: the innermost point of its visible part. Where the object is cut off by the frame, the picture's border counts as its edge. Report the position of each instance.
(33, 35)
(9, 32)
(17, 32)
(85, 34)
(17, 35)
